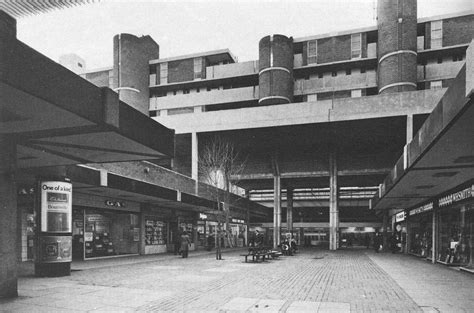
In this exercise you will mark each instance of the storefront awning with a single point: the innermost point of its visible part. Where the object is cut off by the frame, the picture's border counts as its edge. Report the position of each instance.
(58, 118)
(441, 155)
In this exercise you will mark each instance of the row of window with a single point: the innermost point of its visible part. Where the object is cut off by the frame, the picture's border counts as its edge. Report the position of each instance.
(356, 48)
(355, 93)
(436, 42)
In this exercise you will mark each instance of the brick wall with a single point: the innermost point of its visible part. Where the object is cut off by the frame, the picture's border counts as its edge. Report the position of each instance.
(133, 53)
(181, 70)
(458, 30)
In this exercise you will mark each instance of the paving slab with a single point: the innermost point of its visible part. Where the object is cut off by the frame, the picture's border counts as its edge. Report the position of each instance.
(348, 280)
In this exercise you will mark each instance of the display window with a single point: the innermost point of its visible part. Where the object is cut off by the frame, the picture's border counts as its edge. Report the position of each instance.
(155, 232)
(421, 234)
(100, 233)
(455, 234)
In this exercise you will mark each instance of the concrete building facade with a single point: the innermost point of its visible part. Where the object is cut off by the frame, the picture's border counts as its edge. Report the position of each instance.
(320, 120)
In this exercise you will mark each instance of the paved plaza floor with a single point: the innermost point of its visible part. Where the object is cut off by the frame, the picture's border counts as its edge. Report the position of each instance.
(314, 280)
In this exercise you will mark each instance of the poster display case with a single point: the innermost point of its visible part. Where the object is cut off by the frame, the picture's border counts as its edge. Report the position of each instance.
(155, 232)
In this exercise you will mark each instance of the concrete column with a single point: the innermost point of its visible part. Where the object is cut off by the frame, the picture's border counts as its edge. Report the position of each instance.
(9, 232)
(409, 128)
(434, 235)
(276, 210)
(195, 160)
(384, 231)
(289, 209)
(333, 203)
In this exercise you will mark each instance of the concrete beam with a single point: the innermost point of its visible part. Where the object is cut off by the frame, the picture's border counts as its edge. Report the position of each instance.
(399, 104)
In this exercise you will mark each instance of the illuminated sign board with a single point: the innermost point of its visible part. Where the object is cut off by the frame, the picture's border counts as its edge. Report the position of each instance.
(456, 197)
(422, 209)
(56, 206)
(400, 217)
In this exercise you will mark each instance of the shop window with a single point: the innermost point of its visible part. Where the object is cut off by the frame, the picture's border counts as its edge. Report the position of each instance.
(312, 51)
(356, 46)
(155, 232)
(436, 34)
(454, 235)
(110, 233)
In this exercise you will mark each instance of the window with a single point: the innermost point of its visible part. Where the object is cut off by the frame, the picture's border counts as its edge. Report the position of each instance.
(356, 46)
(356, 93)
(163, 73)
(154, 113)
(438, 84)
(180, 111)
(457, 57)
(197, 68)
(312, 51)
(436, 34)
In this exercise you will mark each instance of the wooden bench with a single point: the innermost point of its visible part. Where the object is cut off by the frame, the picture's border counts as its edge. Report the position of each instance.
(257, 253)
(255, 256)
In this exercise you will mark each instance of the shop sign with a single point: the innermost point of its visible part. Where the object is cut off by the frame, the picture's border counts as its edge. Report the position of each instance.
(456, 197)
(400, 217)
(202, 216)
(238, 221)
(421, 209)
(118, 204)
(56, 206)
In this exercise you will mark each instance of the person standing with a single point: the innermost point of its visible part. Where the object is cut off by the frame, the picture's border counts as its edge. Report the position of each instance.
(185, 243)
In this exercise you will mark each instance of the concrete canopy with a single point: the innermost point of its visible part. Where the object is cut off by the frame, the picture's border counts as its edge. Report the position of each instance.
(441, 155)
(57, 118)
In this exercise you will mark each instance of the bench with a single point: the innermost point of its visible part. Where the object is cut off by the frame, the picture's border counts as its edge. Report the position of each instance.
(258, 253)
(255, 256)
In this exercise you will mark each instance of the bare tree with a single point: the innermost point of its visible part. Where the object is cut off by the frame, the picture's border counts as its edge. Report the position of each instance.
(218, 165)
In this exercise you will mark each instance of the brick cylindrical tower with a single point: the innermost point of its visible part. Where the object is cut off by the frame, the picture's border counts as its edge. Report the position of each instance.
(396, 23)
(275, 76)
(131, 69)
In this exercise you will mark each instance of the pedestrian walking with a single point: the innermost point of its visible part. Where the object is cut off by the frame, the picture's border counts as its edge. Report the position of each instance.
(185, 243)
(377, 242)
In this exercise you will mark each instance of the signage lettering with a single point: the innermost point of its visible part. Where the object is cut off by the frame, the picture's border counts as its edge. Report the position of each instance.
(421, 209)
(118, 204)
(202, 216)
(400, 217)
(456, 197)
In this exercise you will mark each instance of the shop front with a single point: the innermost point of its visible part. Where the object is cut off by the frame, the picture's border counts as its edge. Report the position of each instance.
(456, 227)
(237, 234)
(400, 230)
(103, 227)
(420, 230)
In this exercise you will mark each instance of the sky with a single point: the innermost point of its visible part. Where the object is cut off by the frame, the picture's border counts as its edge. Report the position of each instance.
(186, 27)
